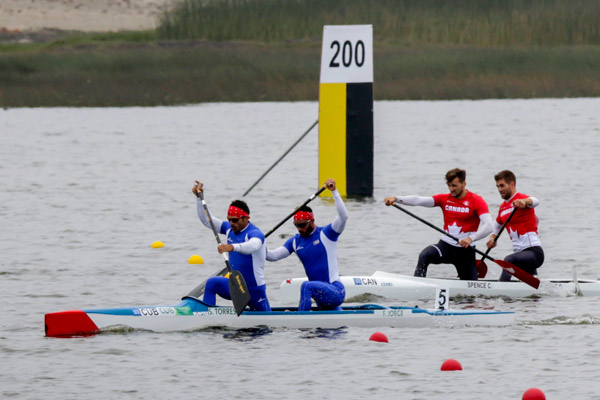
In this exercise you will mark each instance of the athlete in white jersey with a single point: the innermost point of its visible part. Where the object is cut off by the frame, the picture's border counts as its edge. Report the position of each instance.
(316, 247)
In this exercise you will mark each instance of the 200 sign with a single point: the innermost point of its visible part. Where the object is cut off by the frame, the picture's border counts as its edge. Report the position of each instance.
(347, 53)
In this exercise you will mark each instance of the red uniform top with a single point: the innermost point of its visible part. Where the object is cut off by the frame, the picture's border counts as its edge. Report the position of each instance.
(461, 217)
(522, 227)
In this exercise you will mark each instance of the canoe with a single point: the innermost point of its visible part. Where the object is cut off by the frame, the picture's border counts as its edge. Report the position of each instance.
(411, 288)
(193, 314)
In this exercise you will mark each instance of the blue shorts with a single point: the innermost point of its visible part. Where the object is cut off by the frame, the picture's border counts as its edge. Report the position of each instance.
(218, 285)
(328, 296)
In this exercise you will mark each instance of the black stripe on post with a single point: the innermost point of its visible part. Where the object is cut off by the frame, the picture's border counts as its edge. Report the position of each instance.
(359, 139)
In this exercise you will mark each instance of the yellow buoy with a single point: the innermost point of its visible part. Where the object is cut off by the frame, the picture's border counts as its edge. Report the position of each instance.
(157, 245)
(195, 259)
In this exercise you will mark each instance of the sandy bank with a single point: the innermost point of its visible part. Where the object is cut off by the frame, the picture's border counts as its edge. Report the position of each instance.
(83, 15)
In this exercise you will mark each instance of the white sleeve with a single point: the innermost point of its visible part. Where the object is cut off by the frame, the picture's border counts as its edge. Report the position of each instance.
(339, 223)
(485, 227)
(497, 228)
(277, 254)
(248, 247)
(416, 201)
(534, 202)
(204, 217)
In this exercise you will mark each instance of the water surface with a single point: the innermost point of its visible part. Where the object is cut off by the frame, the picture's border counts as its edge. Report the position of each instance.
(84, 192)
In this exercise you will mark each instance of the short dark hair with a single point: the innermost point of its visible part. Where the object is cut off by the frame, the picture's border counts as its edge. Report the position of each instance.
(507, 175)
(461, 174)
(241, 205)
(305, 208)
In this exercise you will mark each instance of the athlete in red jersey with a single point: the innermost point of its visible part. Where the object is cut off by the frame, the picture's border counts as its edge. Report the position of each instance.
(522, 227)
(466, 217)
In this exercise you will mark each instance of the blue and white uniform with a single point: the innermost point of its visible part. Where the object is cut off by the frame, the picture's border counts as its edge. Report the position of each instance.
(318, 254)
(248, 257)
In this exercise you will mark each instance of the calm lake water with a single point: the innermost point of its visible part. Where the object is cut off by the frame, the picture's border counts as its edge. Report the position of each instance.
(84, 193)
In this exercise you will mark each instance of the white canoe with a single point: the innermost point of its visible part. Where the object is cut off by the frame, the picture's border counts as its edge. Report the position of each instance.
(411, 288)
(193, 314)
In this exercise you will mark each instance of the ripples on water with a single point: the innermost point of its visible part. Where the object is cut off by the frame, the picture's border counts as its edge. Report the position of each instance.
(86, 191)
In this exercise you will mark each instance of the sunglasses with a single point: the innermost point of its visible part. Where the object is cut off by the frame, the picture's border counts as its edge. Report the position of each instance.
(301, 225)
(233, 220)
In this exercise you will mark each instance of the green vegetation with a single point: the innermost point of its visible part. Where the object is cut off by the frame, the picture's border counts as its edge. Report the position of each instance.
(461, 22)
(269, 50)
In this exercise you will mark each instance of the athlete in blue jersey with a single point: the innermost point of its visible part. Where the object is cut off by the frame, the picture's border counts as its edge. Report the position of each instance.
(247, 248)
(316, 247)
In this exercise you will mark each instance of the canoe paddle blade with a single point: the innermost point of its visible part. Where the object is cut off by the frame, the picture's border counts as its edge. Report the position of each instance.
(519, 273)
(482, 269)
(239, 291)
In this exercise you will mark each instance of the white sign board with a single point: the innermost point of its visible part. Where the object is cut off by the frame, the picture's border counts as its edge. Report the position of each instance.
(442, 297)
(347, 54)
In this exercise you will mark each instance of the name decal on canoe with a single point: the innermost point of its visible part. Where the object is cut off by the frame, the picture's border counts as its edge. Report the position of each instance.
(222, 311)
(393, 313)
(365, 281)
(479, 285)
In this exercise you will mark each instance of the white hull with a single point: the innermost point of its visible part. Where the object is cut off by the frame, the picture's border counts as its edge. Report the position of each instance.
(192, 314)
(226, 317)
(411, 288)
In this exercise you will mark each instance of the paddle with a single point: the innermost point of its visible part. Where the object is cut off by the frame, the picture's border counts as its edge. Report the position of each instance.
(318, 192)
(281, 158)
(237, 284)
(197, 292)
(481, 267)
(510, 268)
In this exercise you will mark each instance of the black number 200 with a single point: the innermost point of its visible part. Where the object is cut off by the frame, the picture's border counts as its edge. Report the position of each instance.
(347, 53)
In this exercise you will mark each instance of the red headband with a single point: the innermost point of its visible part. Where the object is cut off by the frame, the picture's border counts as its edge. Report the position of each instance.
(303, 215)
(237, 212)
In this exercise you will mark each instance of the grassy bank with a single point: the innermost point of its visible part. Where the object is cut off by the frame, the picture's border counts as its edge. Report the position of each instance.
(192, 72)
(269, 50)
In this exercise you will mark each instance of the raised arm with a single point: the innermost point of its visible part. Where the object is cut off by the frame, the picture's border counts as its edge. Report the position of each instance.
(339, 223)
(198, 187)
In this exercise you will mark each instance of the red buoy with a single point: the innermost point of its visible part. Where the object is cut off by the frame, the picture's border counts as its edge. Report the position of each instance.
(451, 365)
(534, 394)
(379, 337)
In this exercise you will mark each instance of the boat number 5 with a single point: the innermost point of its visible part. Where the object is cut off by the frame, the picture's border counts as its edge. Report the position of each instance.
(347, 53)
(442, 296)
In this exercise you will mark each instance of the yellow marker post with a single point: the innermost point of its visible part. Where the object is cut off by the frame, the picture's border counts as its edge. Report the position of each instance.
(346, 109)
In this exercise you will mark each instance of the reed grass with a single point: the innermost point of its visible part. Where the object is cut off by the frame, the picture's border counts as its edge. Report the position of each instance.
(183, 72)
(485, 23)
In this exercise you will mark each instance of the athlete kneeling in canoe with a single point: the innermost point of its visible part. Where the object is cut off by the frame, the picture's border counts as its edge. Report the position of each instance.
(247, 248)
(466, 217)
(522, 228)
(316, 247)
